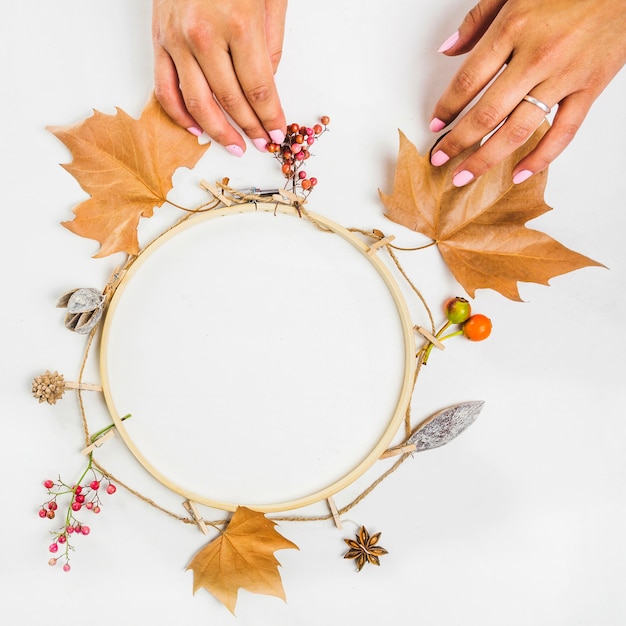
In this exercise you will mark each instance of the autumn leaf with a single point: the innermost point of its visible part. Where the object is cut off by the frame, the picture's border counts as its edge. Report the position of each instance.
(241, 557)
(480, 228)
(126, 166)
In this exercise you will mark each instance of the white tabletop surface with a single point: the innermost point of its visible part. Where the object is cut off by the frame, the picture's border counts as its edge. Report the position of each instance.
(519, 521)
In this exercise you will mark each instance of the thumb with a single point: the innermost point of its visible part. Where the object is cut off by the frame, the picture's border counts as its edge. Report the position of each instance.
(473, 27)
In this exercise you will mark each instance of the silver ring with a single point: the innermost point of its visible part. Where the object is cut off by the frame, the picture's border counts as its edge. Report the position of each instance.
(542, 105)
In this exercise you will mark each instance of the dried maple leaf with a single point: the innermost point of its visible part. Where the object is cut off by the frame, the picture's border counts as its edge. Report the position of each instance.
(241, 557)
(480, 228)
(126, 166)
(364, 549)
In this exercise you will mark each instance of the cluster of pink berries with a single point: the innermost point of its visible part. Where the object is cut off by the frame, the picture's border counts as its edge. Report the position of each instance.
(86, 496)
(295, 150)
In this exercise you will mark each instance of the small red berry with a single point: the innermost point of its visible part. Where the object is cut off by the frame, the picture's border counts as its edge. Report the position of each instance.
(77, 489)
(69, 530)
(477, 327)
(80, 498)
(43, 513)
(50, 514)
(52, 562)
(306, 184)
(53, 547)
(325, 120)
(52, 505)
(95, 485)
(273, 147)
(301, 174)
(76, 506)
(318, 128)
(62, 539)
(111, 488)
(66, 567)
(85, 530)
(96, 509)
(89, 505)
(313, 181)
(294, 128)
(48, 484)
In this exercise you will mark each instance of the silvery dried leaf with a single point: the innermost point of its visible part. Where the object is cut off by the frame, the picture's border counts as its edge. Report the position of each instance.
(83, 323)
(445, 425)
(81, 300)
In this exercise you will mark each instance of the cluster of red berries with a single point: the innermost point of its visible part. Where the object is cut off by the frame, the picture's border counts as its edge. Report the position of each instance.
(86, 496)
(295, 150)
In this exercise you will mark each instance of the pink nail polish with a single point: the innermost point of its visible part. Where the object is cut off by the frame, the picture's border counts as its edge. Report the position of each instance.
(235, 150)
(194, 130)
(521, 176)
(260, 144)
(436, 125)
(277, 136)
(439, 158)
(462, 178)
(449, 42)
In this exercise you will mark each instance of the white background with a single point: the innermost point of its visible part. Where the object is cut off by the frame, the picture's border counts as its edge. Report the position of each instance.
(519, 521)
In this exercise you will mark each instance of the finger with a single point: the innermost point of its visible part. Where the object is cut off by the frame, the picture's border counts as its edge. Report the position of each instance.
(570, 115)
(251, 59)
(475, 73)
(497, 102)
(201, 105)
(275, 12)
(168, 93)
(512, 134)
(472, 28)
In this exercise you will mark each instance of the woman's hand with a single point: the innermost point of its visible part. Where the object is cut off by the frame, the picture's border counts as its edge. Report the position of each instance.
(215, 60)
(560, 52)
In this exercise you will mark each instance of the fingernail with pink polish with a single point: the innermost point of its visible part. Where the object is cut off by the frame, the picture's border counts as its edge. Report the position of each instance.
(235, 150)
(449, 42)
(436, 125)
(194, 130)
(462, 178)
(439, 158)
(260, 144)
(521, 176)
(277, 136)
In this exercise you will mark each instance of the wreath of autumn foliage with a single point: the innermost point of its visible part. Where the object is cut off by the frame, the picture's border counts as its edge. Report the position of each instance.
(126, 167)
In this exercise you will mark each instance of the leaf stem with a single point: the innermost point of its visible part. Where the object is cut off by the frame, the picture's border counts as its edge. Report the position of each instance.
(428, 245)
(106, 429)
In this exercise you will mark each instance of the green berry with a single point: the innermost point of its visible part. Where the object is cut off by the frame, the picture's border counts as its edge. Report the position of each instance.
(457, 310)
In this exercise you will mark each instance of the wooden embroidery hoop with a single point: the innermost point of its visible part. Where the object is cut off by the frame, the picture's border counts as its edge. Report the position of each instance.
(406, 387)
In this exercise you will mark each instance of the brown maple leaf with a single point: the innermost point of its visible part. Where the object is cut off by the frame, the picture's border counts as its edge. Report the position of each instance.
(480, 228)
(364, 549)
(126, 166)
(241, 557)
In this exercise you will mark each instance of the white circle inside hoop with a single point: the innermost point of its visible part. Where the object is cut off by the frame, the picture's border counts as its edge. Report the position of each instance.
(264, 363)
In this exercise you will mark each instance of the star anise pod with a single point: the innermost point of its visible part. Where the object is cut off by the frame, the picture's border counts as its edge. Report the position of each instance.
(364, 549)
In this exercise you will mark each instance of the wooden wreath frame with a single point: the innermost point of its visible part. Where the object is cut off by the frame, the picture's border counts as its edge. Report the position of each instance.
(403, 400)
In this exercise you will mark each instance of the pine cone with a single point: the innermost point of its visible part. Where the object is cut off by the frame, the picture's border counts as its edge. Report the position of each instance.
(49, 387)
